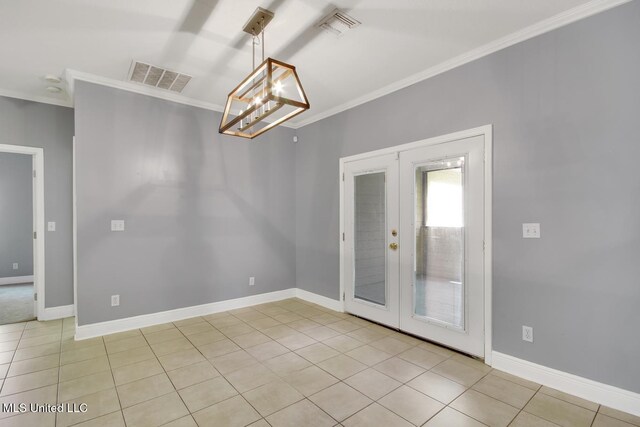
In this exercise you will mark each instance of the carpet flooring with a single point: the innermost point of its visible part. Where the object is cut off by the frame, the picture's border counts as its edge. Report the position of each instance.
(16, 303)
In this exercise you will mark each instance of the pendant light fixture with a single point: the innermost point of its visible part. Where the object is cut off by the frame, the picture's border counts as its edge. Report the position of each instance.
(269, 96)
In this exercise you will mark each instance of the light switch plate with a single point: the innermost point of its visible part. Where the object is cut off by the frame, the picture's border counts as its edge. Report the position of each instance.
(531, 230)
(51, 226)
(117, 225)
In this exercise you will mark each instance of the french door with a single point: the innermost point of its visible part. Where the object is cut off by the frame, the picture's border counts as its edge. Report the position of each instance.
(414, 233)
(371, 251)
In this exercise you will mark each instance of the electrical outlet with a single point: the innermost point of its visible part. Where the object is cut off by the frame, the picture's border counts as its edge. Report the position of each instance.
(115, 300)
(252, 281)
(531, 230)
(15, 265)
(51, 226)
(527, 333)
(117, 225)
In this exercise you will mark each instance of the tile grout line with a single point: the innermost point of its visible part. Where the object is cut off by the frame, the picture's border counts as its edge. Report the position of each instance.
(522, 410)
(4, 381)
(228, 382)
(279, 377)
(166, 374)
(59, 365)
(115, 385)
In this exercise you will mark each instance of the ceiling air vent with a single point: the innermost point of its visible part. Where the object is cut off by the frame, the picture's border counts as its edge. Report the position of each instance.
(151, 75)
(338, 22)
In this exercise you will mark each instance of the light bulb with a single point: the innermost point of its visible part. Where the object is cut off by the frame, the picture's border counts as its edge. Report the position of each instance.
(278, 87)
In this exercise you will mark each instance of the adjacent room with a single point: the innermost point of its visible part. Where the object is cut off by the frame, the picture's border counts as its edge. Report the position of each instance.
(16, 244)
(313, 213)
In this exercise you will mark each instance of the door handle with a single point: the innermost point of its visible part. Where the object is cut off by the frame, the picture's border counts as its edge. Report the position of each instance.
(393, 246)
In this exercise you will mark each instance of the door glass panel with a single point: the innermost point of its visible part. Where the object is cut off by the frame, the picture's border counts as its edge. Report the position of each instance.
(439, 238)
(370, 278)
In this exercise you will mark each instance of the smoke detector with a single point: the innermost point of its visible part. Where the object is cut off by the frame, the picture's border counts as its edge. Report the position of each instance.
(159, 77)
(338, 22)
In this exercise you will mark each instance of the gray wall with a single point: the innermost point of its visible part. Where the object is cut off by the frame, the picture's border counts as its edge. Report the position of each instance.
(565, 108)
(50, 127)
(16, 218)
(202, 212)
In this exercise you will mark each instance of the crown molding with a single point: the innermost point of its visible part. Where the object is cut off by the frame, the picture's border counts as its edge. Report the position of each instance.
(70, 77)
(565, 18)
(40, 99)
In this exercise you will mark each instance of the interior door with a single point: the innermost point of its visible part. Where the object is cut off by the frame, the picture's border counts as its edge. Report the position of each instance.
(442, 243)
(371, 270)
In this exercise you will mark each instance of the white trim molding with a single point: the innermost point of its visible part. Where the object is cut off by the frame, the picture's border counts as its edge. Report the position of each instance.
(53, 313)
(70, 77)
(330, 303)
(136, 322)
(16, 280)
(565, 18)
(126, 324)
(41, 99)
(604, 394)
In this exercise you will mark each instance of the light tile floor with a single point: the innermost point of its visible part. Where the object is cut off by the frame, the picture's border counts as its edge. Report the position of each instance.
(288, 363)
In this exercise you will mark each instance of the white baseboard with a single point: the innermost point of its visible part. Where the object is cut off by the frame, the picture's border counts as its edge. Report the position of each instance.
(604, 394)
(326, 302)
(136, 322)
(53, 313)
(15, 280)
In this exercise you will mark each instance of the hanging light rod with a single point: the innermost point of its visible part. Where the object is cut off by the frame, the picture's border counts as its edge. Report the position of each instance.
(271, 91)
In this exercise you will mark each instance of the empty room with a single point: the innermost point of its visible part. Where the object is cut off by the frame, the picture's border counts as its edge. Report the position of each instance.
(319, 213)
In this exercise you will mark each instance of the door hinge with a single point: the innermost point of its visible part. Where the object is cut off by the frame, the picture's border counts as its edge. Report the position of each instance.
(343, 237)
(343, 176)
(343, 296)
(35, 234)
(34, 173)
(35, 296)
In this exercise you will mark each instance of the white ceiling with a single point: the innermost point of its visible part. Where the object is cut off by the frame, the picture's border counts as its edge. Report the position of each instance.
(397, 39)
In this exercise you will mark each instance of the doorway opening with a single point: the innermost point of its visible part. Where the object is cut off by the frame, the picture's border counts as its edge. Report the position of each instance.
(21, 234)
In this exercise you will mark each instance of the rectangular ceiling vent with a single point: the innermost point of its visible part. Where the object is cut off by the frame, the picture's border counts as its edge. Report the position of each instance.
(151, 75)
(338, 22)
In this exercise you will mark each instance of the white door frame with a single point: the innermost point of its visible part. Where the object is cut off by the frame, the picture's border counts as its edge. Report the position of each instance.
(38, 210)
(74, 220)
(487, 132)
